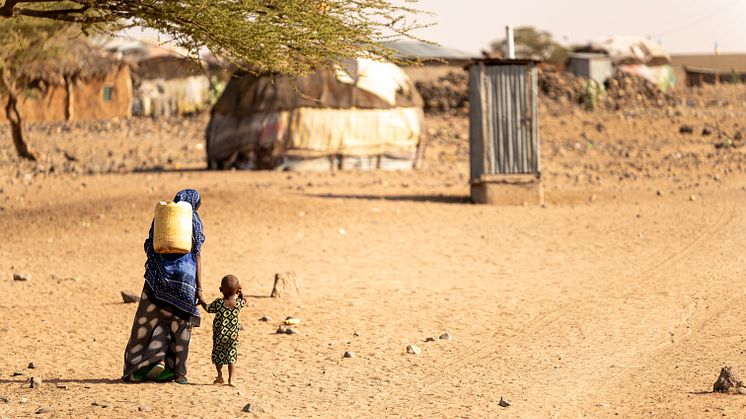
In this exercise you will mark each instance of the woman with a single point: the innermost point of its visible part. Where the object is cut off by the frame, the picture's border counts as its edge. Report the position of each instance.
(159, 342)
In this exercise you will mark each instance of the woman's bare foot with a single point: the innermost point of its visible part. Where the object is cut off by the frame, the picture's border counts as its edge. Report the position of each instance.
(218, 380)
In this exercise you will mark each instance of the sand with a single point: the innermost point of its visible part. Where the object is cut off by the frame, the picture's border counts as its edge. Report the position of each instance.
(622, 296)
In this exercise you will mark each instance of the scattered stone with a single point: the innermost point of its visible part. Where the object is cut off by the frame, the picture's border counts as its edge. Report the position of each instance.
(130, 297)
(143, 408)
(21, 277)
(42, 410)
(285, 286)
(727, 381)
(31, 365)
(686, 129)
(290, 320)
(445, 336)
(61, 386)
(659, 193)
(265, 319)
(281, 330)
(99, 404)
(240, 326)
(349, 354)
(503, 402)
(414, 349)
(4, 400)
(706, 131)
(35, 382)
(290, 331)
(356, 333)
(252, 408)
(692, 198)
(16, 374)
(431, 339)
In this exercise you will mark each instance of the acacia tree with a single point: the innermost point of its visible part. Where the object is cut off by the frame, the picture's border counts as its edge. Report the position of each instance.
(535, 44)
(288, 36)
(36, 55)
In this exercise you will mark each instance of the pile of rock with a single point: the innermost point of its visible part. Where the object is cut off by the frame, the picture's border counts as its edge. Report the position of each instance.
(447, 94)
(559, 87)
(625, 91)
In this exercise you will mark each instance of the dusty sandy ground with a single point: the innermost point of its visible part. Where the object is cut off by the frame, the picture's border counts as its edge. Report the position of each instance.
(622, 296)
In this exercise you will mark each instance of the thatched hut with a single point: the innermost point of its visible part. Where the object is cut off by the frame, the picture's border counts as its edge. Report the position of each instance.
(83, 83)
(367, 116)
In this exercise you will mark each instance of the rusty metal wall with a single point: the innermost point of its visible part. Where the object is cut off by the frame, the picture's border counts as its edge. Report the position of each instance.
(503, 125)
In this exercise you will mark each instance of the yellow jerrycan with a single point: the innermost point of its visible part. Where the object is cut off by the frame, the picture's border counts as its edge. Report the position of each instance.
(172, 227)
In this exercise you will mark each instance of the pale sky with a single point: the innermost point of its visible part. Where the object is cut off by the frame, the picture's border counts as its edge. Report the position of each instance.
(679, 25)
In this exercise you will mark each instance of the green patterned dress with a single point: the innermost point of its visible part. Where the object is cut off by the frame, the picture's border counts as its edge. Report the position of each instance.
(225, 331)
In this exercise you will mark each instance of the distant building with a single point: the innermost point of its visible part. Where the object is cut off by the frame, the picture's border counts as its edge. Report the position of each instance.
(103, 90)
(699, 69)
(436, 60)
(593, 66)
(166, 81)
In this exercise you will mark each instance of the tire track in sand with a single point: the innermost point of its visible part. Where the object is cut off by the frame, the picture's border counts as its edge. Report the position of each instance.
(483, 355)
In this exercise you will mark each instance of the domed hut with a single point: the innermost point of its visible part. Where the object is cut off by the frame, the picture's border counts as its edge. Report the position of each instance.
(366, 116)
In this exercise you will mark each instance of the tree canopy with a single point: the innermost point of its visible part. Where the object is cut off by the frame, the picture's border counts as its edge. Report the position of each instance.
(535, 44)
(290, 36)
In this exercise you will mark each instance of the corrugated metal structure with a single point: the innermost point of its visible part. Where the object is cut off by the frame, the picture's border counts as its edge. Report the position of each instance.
(592, 66)
(503, 123)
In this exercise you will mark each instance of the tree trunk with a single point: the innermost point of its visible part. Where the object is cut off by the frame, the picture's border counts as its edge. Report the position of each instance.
(69, 100)
(16, 122)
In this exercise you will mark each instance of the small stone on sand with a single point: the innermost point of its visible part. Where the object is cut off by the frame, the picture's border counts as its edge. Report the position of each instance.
(143, 409)
(129, 297)
(35, 382)
(503, 402)
(414, 349)
(43, 410)
(290, 331)
(431, 339)
(31, 365)
(356, 333)
(252, 408)
(265, 319)
(21, 277)
(445, 336)
(349, 354)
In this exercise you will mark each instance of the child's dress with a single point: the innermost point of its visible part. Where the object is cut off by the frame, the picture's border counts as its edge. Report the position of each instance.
(225, 331)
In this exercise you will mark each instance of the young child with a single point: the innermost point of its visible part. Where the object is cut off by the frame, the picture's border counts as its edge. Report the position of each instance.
(225, 327)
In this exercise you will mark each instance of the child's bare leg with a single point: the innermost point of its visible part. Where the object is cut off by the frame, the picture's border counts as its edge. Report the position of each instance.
(219, 378)
(231, 371)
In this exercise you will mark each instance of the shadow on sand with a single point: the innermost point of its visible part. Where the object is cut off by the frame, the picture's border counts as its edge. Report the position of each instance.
(441, 199)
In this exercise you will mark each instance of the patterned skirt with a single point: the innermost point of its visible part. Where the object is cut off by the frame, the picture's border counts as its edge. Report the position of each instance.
(157, 336)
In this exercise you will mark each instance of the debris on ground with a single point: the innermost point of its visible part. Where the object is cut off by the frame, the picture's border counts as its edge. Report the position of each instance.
(728, 382)
(21, 277)
(130, 297)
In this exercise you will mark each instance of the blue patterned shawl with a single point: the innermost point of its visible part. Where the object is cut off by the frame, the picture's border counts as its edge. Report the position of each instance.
(172, 278)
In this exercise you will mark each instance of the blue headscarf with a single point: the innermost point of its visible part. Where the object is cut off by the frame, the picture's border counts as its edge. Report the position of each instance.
(172, 278)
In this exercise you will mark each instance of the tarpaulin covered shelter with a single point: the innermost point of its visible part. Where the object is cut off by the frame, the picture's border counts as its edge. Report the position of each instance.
(367, 115)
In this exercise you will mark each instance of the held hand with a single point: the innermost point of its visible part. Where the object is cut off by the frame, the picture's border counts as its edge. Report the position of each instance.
(200, 300)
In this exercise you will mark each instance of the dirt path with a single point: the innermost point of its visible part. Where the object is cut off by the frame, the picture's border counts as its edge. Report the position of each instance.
(626, 305)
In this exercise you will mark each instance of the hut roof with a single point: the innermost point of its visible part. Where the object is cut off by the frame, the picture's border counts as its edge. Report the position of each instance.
(247, 93)
(77, 59)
